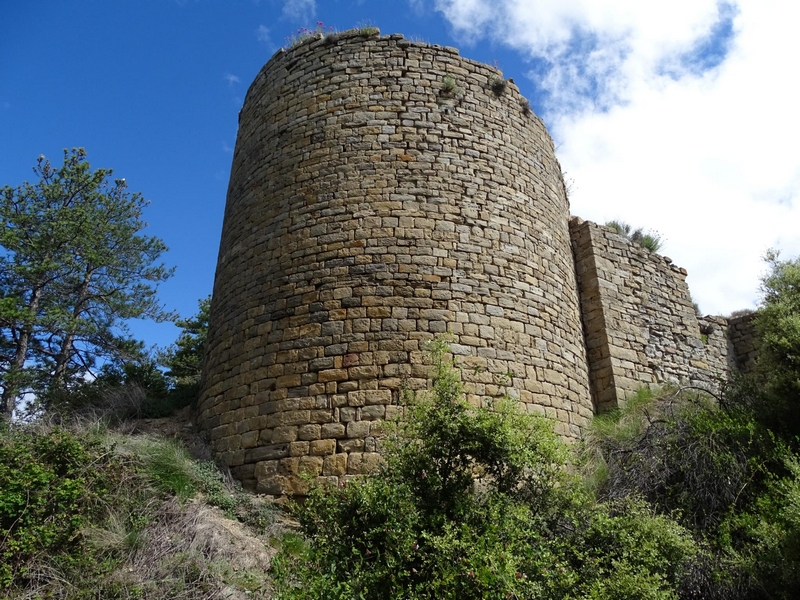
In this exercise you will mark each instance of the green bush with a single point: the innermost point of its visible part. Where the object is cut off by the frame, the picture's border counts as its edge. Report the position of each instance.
(476, 503)
(718, 471)
(776, 390)
(53, 484)
(684, 456)
(85, 513)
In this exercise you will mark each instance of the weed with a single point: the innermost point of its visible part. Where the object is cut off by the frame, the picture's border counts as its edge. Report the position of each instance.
(649, 241)
(169, 466)
(304, 34)
(78, 519)
(368, 31)
(525, 105)
(450, 87)
(498, 85)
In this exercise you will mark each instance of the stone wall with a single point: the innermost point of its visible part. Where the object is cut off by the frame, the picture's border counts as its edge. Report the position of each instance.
(744, 342)
(383, 192)
(639, 320)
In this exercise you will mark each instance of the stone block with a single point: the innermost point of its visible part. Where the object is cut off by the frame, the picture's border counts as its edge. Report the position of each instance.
(335, 465)
(310, 465)
(276, 485)
(358, 429)
(332, 375)
(284, 434)
(322, 447)
(350, 445)
(333, 430)
(373, 412)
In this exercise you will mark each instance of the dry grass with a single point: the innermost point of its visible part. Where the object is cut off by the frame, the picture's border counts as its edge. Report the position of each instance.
(175, 528)
(195, 552)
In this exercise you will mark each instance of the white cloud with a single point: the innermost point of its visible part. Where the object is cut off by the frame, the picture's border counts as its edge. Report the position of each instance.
(703, 155)
(299, 10)
(417, 6)
(262, 33)
(231, 79)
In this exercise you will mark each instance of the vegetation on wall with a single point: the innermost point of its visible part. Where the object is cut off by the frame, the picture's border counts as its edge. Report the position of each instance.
(649, 241)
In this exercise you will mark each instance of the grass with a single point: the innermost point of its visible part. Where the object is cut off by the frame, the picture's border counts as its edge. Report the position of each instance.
(368, 31)
(168, 526)
(450, 87)
(498, 85)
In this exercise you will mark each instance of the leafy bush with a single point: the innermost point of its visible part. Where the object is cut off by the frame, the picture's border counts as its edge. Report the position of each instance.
(683, 454)
(719, 472)
(476, 503)
(777, 390)
(53, 484)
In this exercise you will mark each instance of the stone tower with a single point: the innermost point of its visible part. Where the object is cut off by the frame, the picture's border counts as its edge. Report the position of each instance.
(383, 192)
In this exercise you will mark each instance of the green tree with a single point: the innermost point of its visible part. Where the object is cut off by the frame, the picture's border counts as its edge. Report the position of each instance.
(184, 358)
(772, 391)
(73, 267)
(778, 322)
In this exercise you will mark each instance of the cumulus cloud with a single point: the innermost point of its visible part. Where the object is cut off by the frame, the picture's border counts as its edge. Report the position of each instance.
(299, 10)
(677, 116)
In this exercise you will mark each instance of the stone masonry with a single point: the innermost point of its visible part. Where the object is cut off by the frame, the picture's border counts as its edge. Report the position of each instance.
(384, 192)
(639, 322)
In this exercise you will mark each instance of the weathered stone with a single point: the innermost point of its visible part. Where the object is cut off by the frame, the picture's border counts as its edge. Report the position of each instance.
(322, 447)
(333, 430)
(366, 214)
(284, 434)
(335, 464)
(358, 429)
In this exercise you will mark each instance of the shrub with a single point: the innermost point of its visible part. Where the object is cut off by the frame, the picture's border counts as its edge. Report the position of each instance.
(778, 325)
(718, 471)
(53, 484)
(87, 514)
(476, 503)
(684, 455)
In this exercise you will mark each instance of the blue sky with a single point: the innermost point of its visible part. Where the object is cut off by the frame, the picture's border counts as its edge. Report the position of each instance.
(681, 117)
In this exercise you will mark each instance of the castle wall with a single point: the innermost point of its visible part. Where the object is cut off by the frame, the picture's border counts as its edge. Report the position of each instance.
(382, 193)
(744, 342)
(639, 321)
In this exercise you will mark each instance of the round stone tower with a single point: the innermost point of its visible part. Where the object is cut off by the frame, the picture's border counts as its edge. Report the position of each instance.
(383, 192)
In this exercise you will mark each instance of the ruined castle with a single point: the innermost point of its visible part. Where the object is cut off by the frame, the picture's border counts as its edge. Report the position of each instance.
(384, 192)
